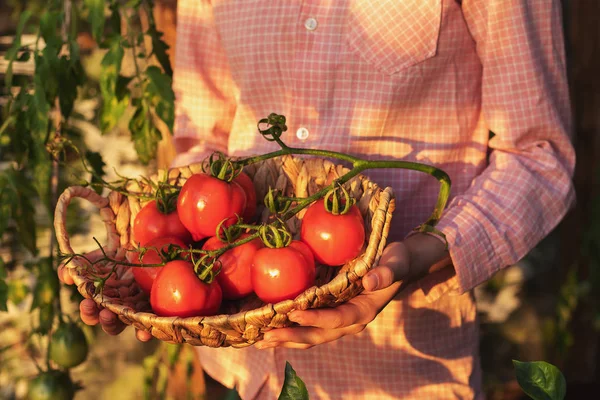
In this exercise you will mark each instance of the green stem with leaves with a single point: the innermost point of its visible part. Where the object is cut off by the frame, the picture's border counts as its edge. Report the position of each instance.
(277, 127)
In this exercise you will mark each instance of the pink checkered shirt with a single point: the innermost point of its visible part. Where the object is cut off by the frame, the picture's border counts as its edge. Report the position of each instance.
(422, 80)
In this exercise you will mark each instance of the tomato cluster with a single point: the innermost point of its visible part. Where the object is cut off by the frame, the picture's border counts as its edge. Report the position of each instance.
(205, 207)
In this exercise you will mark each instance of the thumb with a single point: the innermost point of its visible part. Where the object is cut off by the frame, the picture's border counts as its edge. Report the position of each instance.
(394, 266)
(142, 336)
(64, 275)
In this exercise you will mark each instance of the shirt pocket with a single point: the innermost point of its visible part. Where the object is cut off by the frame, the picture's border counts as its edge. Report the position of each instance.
(393, 35)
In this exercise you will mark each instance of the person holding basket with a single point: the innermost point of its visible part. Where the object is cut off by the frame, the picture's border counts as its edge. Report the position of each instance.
(424, 81)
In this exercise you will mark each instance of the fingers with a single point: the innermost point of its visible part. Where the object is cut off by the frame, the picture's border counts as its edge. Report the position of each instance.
(344, 315)
(111, 324)
(325, 325)
(143, 336)
(89, 311)
(92, 315)
(394, 266)
(64, 275)
(304, 337)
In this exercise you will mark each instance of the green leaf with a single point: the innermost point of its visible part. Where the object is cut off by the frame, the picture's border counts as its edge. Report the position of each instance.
(159, 50)
(48, 72)
(24, 57)
(114, 21)
(166, 112)
(50, 21)
(121, 89)
(14, 48)
(540, 380)
(144, 134)
(95, 161)
(38, 112)
(21, 140)
(8, 201)
(5, 211)
(75, 54)
(159, 47)
(71, 77)
(3, 273)
(42, 174)
(26, 228)
(39, 123)
(11, 54)
(115, 98)
(160, 94)
(3, 287)
(293, 387)
(96, 17)
(23, 211)
(111, 62)
(159, 83)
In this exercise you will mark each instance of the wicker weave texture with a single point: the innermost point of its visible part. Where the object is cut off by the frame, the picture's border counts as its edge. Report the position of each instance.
(243, 322)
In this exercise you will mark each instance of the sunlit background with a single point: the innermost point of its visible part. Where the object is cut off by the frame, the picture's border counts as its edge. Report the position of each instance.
(546, 307)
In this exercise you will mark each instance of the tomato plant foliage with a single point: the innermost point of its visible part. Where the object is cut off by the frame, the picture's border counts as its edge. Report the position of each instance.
(293, 387)
(541, 380)
(42, 147)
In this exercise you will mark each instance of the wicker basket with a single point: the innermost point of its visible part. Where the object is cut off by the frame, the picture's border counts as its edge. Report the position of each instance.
(242, 323)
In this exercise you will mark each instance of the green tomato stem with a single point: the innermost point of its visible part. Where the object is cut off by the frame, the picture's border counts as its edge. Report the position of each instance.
(359, 165)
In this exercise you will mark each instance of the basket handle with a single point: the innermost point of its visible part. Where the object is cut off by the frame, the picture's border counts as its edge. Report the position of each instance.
(60, 217)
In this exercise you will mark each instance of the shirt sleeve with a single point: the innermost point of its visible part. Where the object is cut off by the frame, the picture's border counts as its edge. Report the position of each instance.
(526, 188)
(205, 93)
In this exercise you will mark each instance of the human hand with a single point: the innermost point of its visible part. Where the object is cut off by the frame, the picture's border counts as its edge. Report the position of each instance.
(399, 262)
(92, 314)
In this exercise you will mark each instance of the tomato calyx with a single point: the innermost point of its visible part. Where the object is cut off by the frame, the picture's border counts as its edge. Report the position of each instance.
(276, 235)
(166, 198)
(207, 266)
(167, 253)
(276, 202)
(338, 203)
(228, 234)
(221, 167)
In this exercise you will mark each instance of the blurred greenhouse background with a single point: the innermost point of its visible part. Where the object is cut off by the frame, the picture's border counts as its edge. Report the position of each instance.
(544, 308)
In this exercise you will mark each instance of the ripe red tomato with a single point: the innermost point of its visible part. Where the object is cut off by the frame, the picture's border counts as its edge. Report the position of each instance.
(177, 291)
(205, 201)
(234, 277)
(307, 253)
(281, 274)
(246, 183)
(333, 239)
(150, 223)
(145, 276)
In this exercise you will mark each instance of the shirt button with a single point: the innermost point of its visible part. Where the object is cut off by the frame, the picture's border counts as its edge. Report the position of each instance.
(302, 133)
(310, 24)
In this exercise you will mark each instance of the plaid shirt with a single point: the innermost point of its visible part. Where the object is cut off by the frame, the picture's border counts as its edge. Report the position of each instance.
(422, 80)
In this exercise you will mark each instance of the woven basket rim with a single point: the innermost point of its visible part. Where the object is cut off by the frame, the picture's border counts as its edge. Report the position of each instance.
(362, 264)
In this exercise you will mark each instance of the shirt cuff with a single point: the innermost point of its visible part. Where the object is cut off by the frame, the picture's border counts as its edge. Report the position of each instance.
(473, 257)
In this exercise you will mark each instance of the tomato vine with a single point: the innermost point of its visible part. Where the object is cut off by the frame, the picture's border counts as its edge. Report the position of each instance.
(41, 146)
